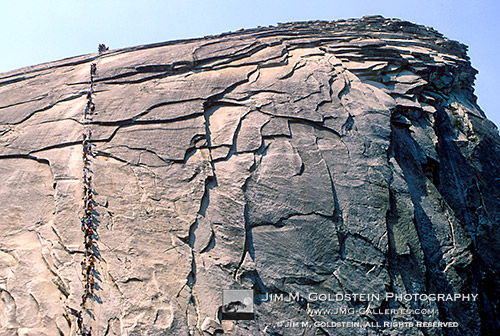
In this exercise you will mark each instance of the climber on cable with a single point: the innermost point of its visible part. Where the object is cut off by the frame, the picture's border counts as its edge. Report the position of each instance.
(85, 148)
(89, 233)
(91, 281)
(79, 321)
(84, 300)
(87, 288)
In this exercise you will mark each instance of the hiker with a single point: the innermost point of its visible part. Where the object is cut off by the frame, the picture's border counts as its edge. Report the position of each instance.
(93, 68)
(87, 149)
(84, 300)
(79, 321)
(90, 271)
(88, 235)
(89, 232)
(88, 245)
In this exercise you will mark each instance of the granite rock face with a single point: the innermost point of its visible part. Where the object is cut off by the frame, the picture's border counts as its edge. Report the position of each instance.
(309, 158)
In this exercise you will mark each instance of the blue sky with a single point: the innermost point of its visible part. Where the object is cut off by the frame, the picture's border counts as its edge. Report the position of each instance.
(36, 31)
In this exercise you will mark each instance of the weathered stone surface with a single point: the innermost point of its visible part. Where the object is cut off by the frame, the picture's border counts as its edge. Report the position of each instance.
(315, 157)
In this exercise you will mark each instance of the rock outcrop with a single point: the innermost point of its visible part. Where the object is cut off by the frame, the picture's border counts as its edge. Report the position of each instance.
(313, 158)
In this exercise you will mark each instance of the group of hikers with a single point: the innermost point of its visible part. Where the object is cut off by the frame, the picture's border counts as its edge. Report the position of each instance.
(102, 48)
(87, 223)
(79, 325)
(88, 264)
(90, 107)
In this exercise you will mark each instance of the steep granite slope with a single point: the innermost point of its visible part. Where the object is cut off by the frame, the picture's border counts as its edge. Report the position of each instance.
(309, 158)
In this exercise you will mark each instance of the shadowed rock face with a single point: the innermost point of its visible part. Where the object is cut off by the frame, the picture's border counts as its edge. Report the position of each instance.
(318, 157)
